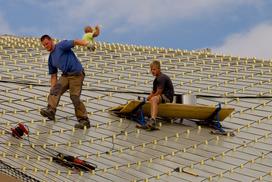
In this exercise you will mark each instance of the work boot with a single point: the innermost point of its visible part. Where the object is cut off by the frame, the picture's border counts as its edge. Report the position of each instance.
(82, 123)
(151, 123)
(48, 113)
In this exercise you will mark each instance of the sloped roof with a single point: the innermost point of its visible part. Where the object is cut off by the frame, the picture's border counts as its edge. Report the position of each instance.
(120, 151)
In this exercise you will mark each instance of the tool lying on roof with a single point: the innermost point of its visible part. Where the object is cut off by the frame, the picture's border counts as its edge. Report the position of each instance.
(74, 162)
(18, 131)
(65, 160)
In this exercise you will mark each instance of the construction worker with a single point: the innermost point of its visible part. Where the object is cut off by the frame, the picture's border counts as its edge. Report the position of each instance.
(163, 92)
(62, 58)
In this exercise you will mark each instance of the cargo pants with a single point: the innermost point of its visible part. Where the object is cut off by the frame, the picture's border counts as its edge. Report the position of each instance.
(73, 83)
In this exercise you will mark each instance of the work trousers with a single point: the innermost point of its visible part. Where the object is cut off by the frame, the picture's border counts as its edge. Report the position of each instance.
(73, 83)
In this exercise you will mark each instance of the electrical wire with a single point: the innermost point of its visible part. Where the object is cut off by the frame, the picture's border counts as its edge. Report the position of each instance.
(147, 93)
(56, 155)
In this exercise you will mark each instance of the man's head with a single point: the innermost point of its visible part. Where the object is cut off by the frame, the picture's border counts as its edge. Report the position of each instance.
(88, 29)
(47, 42)
(155, 68)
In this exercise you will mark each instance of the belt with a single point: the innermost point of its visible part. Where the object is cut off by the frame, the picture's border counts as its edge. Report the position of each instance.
(72, 74)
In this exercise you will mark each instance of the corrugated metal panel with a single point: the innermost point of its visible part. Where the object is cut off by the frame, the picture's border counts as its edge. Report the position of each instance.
(135, 155)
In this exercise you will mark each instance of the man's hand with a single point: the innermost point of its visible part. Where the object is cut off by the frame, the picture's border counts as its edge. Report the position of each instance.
(81, 42)
(56, 89)
(53, 79)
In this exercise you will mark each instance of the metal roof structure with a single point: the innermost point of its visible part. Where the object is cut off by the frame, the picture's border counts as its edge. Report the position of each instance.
(121, 151)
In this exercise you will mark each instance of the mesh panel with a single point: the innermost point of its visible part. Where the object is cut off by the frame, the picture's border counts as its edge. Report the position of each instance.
(7, 169)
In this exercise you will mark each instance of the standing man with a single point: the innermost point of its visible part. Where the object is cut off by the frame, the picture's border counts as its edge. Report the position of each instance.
(63, 58)
(163, 91)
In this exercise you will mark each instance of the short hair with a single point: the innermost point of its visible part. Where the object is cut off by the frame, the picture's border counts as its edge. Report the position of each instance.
(156, 63)
(45, 37)
(88, 29)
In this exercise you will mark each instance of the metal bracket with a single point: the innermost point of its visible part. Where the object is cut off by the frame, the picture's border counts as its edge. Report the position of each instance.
(137, 114)
(214, 120)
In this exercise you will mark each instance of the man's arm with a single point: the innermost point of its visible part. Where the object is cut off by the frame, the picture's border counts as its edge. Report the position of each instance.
(158, 92)
(150, 96)
(81, 42)
(53, 80)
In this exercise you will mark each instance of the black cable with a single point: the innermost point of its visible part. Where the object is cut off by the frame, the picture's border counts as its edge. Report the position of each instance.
(147, 93)
(118, 91)
(234, 97)
(56, 155)
(51, 154)
(121, 133)
(30, 144)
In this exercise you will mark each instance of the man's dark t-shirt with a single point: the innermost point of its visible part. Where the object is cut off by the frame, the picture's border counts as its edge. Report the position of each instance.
(164, 82)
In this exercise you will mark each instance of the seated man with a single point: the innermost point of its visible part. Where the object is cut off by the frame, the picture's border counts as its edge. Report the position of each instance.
(163, 91)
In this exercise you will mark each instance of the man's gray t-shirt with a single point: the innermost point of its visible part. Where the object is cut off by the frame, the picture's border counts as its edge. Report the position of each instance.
(164, 82)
